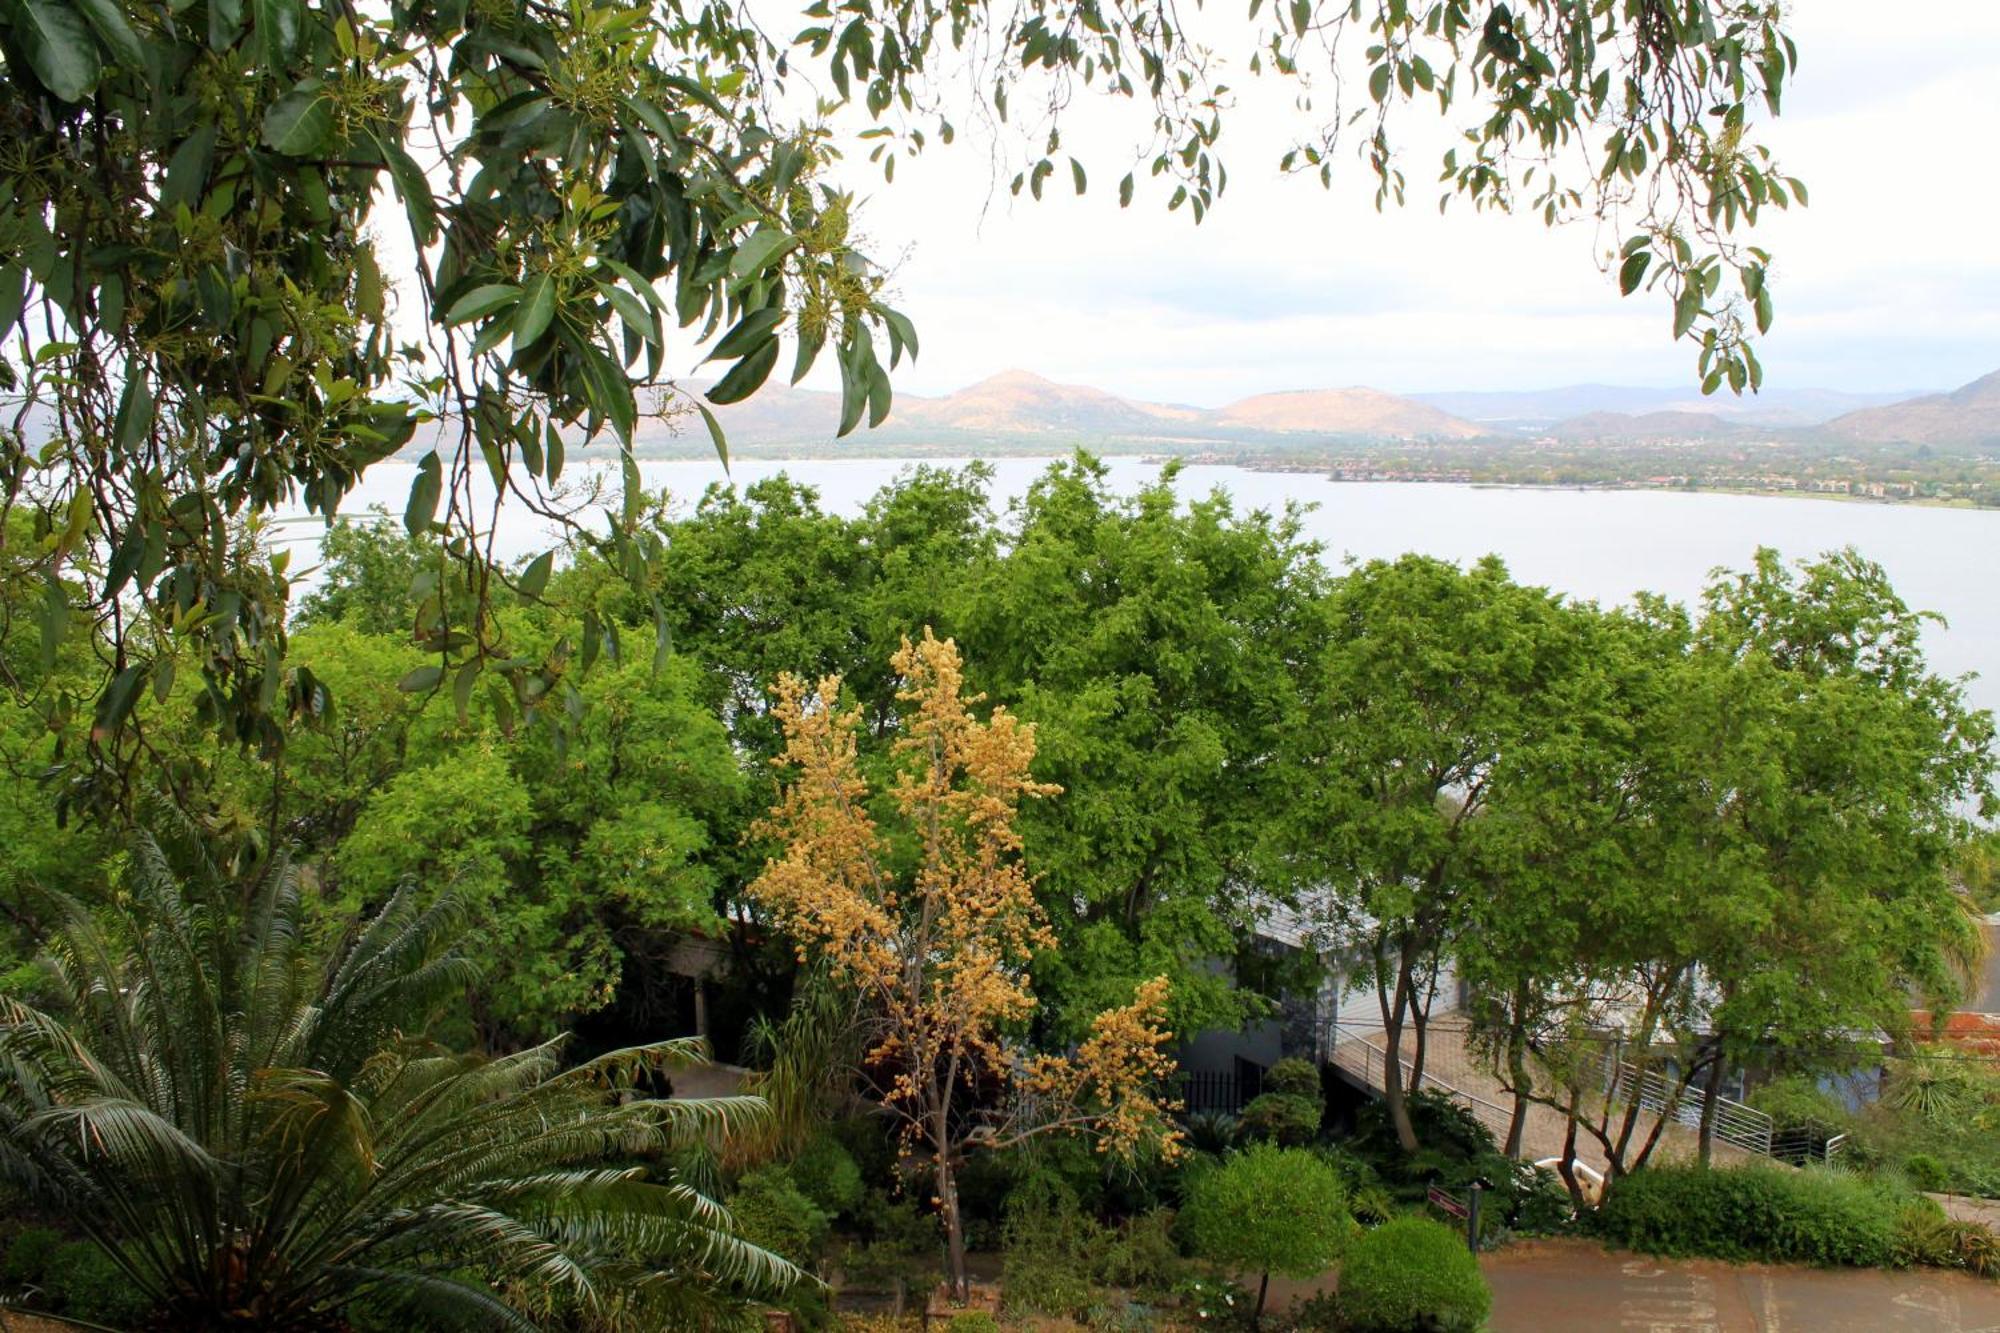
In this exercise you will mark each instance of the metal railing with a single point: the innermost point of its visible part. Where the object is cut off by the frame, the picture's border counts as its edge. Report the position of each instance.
(1364, 1053)
(1743, 1126)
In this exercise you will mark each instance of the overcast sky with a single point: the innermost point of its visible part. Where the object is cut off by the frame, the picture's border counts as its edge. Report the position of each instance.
(1889, 281)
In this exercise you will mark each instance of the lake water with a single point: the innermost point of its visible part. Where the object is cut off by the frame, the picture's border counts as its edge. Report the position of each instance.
(1602, 545)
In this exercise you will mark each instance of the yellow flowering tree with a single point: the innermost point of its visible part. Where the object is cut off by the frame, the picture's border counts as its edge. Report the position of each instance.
(934, 923)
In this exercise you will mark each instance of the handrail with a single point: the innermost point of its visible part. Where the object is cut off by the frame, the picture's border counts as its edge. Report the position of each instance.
(1744, 1126)
(1375, 1060)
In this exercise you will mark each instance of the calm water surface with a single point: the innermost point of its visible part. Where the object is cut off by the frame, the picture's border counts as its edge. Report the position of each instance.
(1603, 545)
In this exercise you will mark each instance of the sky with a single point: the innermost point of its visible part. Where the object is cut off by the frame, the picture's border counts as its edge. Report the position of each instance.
(1889, 281)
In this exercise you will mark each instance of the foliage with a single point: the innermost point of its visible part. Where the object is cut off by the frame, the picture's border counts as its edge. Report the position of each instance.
(1268, 1210)
(935, 947)
(1412, 1273)
(1926, 1236)
(1283, 1117)
(973, 1321)
(1155, 646)
(1939, 1087)
(1293, 1077)
(28, 1253)
(827, 1174)
(773, 1213)
(1797, 1104)
(253, 1138)
(1212, 1132)
(83, 1281)
(1780, 1214)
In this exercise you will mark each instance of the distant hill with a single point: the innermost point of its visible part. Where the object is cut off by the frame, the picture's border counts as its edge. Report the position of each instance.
(1541, 407)
(1019, 407)
(1967, 416)
(1347, 412)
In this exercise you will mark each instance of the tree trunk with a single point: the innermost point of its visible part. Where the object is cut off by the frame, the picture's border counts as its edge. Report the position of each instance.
(1711, 1097)
(1393, 1013)
(1524, 1083)
(954, 1228)
(1420, 1017)
(1566, 1165)
(1263, 1289)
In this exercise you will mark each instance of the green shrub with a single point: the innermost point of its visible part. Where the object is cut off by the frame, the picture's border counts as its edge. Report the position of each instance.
(827, 1173)
(1047, 1248)
(1799, 1105)
(81, 1280)
(1213, 1132)
(1926, 1237)
(1284, 1118)
(1927, 1173)
(1141, 1254)
(974, 1321)
(1268, 1210)
(28, 1256)
(1771, 1213)
(771, 1211)
(1412, 1274)
(1293, 1077)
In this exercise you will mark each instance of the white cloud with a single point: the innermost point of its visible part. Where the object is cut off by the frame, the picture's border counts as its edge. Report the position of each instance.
(1887, 282)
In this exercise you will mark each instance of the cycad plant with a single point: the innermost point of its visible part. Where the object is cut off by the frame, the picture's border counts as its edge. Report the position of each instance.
(259, 1138)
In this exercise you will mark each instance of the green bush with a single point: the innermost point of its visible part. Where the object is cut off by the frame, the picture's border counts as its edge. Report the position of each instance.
(1799, 1105)
(1412, 1274)
(28, 1256)
(1268, 1210)
(1284, 1118)
(974, 1321)
(1927, 1173)
(1141, 1254)
(827, 1173)
(1048, 1245)
(1772, 1213)
(1293, 1077)
(82, 1281)
(1926, 1236)
(771, 1211)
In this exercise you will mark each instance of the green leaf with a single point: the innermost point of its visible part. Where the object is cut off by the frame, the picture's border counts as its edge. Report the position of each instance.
(535, 577)
(1378, 83)
(1686, 308)
(425, 493)
(1632, 271)
(135, 411)
(1076, 174)
(59, 48)
(13, 292)
(481, 302)
(107, 19)
(421, 679)
(1125, 191)
(715, 435)
(760, 250)
(537, 309)
(746, 376)
(902, 334)
(278, 23)
(749, 333)
(115, 705)
(419, 204)
(300, 123)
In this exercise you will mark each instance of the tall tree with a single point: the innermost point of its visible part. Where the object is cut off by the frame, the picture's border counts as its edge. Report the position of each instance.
(1430, 677)
(1157, 646)
(933, 923)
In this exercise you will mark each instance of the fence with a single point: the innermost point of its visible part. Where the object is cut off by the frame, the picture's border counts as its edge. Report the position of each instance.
(1363, 1053)
(1214, 1090)
(1744, 1126)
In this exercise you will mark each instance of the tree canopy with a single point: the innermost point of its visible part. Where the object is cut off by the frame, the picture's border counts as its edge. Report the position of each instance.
(204, 322)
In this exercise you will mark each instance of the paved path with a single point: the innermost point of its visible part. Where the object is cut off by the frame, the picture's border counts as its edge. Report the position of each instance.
(1566, 1286)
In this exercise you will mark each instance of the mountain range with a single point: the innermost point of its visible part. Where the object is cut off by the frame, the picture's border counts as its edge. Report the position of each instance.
(1019, 409)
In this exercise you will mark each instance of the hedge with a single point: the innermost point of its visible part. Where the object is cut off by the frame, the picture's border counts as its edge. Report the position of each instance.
(1412, 1274)
(1780, 1214)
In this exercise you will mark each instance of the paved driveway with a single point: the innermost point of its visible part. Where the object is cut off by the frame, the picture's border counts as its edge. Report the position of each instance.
(1575, 1287)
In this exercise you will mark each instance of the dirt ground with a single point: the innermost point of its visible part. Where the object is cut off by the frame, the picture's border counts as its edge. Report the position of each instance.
(1575, 1287)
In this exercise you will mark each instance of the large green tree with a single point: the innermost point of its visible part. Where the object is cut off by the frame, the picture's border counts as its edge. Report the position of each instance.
(203, 322)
